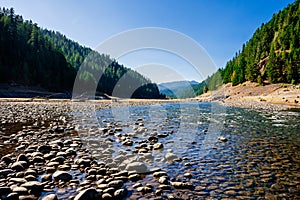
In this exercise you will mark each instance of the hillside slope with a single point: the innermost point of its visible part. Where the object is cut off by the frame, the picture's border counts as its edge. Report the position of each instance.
(272, 55)
(35, 57)
(178, 89)
(251, 95)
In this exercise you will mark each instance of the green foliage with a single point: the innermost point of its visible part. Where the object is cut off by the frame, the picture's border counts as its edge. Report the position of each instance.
(214, 81)
(27, 58)
(201, 88)
(33, 56)
(259, 80)
(272, 54)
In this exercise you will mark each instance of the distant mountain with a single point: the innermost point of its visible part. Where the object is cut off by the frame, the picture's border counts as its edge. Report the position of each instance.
(178, 89)
(272, 55)
(31, 56)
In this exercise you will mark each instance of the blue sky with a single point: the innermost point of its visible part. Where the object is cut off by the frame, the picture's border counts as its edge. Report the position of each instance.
(219, 26)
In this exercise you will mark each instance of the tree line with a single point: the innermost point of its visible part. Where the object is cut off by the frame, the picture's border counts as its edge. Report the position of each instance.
(272, 55)
(32, 56)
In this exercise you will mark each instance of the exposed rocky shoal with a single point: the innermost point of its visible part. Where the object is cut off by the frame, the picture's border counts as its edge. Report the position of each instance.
(45, 156)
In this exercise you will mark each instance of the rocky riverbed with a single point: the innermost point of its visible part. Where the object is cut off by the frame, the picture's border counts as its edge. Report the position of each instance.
(82, 151)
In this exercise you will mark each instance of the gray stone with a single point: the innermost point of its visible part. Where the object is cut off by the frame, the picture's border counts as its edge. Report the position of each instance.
(106, 196)
(33, 186)
(30, 178)
(222, 139)
(158, 146)
(30, 172)
(120, 193)
(44, 149)
(22, 157)
(7, 159)
(38, 159)
(164, 187)
(62, 175)
(20, 190)
(5, 172)
(139, 167)
(88, 194)
(116, 184)
(12, 196)
(171, 157)
(159, 174)
(153, 139)
(163, 180)
(17, 166)
(50, 197)
(27, 197)
(84, 162)
(46, 177)
(59, 159)
(144, 189)
(182, 185)
(188, 175)
(127, 142)
(17, 180)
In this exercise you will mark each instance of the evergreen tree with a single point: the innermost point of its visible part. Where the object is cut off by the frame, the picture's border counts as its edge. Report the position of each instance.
(33, 56)
(272, 54)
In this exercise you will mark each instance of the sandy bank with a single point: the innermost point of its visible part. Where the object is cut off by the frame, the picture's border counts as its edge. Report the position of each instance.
(246, 95)
(252, 95)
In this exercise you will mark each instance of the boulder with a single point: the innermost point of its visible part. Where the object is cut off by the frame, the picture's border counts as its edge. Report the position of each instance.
(33, 186)
(88, 194)
(7, 159)
(62, 175)
(50, 197)
(171, 157)
(17, 166)
(44, 149)
(23, 157)
(20, 190)
(139, 167)
(116, 184)
(5, 172)
(120, 193)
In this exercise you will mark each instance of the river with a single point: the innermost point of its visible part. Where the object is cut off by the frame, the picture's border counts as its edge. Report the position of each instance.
(258, 157)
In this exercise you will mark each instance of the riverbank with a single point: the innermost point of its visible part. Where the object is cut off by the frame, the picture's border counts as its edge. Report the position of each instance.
(246, 95)
(254, 96)
(46, 153)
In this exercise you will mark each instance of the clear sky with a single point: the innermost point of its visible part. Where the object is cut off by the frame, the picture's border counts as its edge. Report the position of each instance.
(219, 26)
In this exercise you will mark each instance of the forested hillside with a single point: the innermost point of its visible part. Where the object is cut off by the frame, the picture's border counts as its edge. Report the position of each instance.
(33, 56)
(272, 55)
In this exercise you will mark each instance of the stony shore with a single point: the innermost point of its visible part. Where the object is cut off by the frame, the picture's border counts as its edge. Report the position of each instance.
(42, 153)
(254, 96)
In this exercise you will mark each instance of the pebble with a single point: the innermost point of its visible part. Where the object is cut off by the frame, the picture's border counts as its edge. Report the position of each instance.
(222, 139)
(181, 185)
(228, 171)
(158, 146)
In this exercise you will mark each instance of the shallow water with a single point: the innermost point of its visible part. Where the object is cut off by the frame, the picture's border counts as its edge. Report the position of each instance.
(260, 159)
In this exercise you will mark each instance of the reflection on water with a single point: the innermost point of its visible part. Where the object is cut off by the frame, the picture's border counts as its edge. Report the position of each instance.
(260, 158)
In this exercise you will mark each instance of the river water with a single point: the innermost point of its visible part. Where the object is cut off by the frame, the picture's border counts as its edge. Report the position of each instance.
(261, 157)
